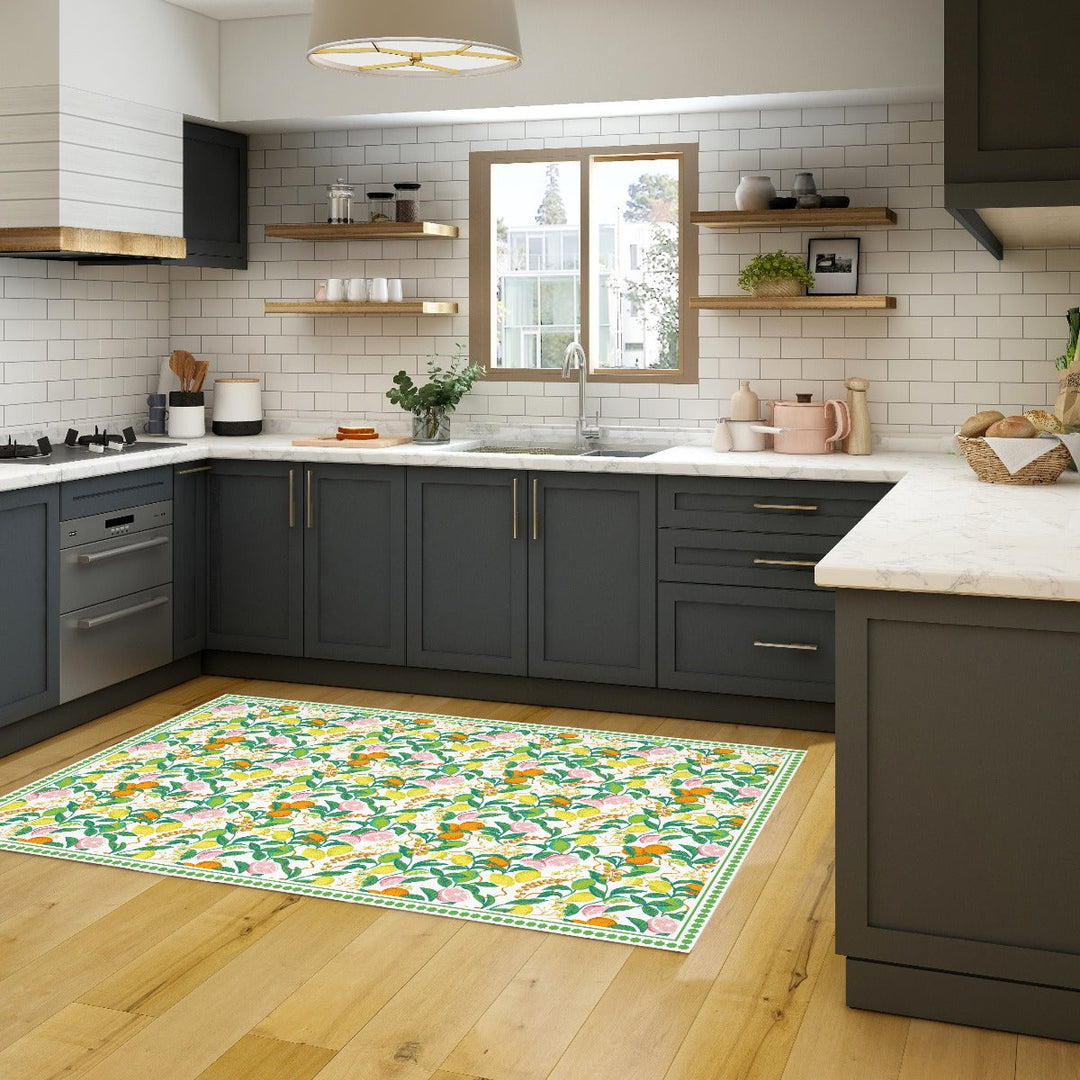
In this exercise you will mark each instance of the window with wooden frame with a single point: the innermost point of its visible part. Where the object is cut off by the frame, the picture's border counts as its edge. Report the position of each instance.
(592, 245)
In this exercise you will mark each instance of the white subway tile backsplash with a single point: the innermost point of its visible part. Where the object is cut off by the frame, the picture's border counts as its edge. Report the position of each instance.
(85, 343)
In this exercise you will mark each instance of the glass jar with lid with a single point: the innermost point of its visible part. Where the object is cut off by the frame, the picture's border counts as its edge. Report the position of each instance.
(340, 197)
(381, 203)
(405, 207)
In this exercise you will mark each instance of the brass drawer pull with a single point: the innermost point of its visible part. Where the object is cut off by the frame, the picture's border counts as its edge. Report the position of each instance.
(189, 472)
(785, 645)
(292, 499)
(310, 513)
(536, 508)
(784, 562)
(514, 497)
(784, 506)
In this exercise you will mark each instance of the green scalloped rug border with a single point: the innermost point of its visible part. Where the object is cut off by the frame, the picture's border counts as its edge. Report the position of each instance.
(682, 941)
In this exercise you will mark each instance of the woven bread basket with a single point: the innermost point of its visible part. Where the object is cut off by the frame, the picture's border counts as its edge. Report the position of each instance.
(778, 287)
(988, 467)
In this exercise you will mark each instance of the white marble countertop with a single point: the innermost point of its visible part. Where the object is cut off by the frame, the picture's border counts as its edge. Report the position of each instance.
(939, 530)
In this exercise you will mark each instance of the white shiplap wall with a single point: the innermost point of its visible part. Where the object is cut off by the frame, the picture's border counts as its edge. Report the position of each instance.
(968, 333)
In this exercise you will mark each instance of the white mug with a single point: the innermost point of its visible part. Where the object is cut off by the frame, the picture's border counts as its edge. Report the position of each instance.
(379, 291)
(357, 290)
(335, 288)
(394, 290)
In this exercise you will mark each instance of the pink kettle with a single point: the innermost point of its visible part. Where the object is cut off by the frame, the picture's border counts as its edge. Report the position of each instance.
(805, 427)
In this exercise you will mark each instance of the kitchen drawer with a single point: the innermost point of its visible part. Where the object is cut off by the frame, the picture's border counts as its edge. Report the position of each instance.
(93, 573)
(100, 494)
(117, 640)
(760, 642)
(766, 560)
(819, 507)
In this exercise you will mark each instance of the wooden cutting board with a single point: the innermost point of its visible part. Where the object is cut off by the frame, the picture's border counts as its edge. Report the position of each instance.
(354, 444)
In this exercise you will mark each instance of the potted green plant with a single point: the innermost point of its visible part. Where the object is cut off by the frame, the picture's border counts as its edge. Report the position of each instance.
(440, 395)
(776, 274)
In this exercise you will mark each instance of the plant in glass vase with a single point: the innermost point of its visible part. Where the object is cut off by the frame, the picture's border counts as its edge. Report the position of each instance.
(431, 403)
(776, 274)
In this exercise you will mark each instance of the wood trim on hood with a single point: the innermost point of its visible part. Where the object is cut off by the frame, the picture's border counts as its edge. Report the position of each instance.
(65, 240)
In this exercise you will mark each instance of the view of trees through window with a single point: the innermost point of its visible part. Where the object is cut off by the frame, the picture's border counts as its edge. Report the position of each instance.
(633, 280)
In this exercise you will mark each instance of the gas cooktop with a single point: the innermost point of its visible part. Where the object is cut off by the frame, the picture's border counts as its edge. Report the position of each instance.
(76, 447)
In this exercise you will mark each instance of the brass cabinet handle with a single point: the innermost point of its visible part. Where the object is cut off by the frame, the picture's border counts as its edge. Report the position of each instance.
(785, 562)
(785, 645)
(189, 472)
(784, 506)
(536, 508)
(514, 497)
(292, 499)
(310, 502)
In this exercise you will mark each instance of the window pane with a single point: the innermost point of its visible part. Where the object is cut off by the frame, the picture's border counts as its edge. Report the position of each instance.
(536, 281)
(635, 212)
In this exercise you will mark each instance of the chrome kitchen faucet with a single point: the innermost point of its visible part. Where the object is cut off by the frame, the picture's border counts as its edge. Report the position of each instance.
(586, 433)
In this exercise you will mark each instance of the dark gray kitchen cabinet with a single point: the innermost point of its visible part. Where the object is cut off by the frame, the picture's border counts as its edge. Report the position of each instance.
(1012, 116)
(957, 878)
(215, 197)
(254, 558)
(592, 577)
(354, 563)
(739, 612)
(29, 601)
(307, 560)
(467, 591)
(547, 574)
(191, 485)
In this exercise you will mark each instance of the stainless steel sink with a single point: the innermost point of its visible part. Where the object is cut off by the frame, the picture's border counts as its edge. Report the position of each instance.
(560, 451)
(565, 451)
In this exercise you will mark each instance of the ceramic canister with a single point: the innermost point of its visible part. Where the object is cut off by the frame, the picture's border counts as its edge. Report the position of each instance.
(237, 407)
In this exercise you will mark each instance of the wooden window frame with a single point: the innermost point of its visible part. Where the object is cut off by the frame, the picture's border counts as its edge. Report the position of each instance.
(481, 248)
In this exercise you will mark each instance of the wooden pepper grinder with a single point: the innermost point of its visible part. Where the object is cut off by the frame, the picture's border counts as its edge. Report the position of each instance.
(860, 441)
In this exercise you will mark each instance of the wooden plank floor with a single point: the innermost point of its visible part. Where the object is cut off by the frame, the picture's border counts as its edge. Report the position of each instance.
(109, 974)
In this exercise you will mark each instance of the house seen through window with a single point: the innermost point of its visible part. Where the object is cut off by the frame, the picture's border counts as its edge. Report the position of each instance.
(585, 246)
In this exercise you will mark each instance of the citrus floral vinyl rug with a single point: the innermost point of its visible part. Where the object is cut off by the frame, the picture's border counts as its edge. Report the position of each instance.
(620, 837)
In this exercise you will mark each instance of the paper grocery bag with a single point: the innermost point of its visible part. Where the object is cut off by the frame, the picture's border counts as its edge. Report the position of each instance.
(1067, 405)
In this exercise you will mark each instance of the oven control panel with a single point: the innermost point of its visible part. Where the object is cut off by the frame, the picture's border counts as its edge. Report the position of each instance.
(119, 523)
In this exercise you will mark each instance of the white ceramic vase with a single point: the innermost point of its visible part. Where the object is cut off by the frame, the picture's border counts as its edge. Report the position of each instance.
(754, 193)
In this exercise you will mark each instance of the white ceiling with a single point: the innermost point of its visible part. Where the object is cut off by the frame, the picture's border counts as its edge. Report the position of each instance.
(244, 9)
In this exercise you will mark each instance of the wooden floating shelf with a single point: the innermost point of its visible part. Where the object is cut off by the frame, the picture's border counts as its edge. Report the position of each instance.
(853, 216)
(804, 303)
(363, 230)
(358, 307)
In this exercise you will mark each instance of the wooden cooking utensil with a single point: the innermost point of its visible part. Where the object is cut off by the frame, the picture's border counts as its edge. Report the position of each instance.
(201, 368)
(182, 364)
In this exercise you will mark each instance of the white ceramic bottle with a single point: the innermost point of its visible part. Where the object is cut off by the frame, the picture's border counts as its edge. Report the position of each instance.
(745, 404)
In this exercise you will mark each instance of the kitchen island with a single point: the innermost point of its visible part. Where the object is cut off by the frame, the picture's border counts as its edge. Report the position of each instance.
(958, 864)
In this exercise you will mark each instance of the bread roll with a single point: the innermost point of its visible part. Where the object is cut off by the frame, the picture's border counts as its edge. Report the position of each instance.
(976, 425)
(1045, 421)
(1012, 427)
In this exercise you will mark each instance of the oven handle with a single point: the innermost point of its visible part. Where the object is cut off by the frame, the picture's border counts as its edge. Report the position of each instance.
(127, 549)
(115, 616)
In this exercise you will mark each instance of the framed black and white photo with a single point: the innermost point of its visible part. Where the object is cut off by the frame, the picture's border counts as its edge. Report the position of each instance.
(834, 262)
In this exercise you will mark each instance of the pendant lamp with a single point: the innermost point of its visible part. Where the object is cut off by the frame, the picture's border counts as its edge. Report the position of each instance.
(415, 37)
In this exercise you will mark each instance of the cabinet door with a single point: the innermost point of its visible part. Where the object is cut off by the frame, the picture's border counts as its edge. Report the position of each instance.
(354, 563)
(190, 485)
(30, 601)
(215, 197)
(592, 577)
(467, 587)
(255, 567)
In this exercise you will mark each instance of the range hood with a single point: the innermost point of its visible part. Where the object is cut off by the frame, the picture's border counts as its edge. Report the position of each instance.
(87, 245)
